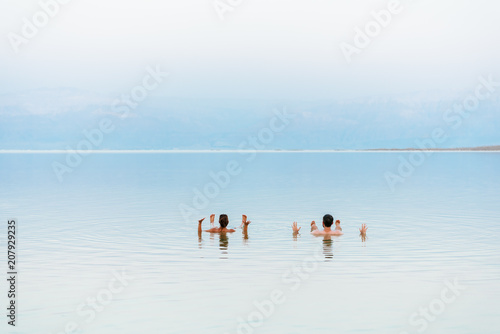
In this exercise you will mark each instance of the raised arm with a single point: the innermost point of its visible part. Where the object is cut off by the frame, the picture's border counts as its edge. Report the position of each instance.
(245, 223)
(313, 226)
(362, 232)
(243, 220)
(199, 226)
(212, 219)
(363, 229)
(295, 228)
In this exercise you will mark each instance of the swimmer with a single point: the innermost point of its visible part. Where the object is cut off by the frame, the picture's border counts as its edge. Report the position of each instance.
(327, 230)
(327, 227)
(223, 222)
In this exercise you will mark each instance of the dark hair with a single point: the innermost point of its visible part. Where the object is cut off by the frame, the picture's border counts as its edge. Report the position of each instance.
(223, 221)
(328, 220)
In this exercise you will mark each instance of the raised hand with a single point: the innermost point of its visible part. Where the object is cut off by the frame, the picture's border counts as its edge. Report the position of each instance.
(363, 229)
(295, 228)
(313, 226)
(212, 219)
(199, 227)
(244, 221)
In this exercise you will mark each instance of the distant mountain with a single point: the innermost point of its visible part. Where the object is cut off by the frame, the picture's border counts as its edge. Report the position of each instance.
(55, 119)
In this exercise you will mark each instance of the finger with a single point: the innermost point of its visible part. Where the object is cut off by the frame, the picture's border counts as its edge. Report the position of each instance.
(299, 229)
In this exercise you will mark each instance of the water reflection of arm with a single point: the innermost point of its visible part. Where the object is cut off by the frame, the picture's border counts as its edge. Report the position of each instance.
(327, 247)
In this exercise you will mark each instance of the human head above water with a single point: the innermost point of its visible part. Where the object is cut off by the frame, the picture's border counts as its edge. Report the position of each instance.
(223, 221)
(327, 220)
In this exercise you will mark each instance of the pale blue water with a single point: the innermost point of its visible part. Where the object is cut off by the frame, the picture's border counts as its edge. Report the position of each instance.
(117, 212)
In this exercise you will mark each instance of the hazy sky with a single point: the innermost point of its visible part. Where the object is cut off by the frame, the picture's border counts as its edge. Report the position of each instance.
(262, 49)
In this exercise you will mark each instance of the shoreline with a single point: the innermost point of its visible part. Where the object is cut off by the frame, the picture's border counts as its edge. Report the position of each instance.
(458, 149)
(222, 151)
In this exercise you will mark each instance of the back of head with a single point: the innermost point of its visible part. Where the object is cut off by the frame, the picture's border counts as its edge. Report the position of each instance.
(327, 220)
(223, 221)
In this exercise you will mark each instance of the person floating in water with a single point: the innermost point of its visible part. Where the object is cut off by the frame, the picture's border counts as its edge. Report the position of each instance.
(327, 227)
(223, 222)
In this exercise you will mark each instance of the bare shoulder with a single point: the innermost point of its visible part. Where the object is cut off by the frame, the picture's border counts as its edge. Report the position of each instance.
(231, 230)
(213, 230)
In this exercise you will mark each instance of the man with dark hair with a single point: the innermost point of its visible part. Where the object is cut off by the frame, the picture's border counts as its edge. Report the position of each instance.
(223, 222)
(327, 227)
(327, 220)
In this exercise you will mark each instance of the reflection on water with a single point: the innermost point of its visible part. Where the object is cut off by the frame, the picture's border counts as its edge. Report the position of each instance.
(363, 237)
(223, 244)
(122, 211)
(327, 247)
(223, 238)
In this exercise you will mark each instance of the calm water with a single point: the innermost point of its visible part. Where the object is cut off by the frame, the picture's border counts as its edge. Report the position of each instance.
(117, 213)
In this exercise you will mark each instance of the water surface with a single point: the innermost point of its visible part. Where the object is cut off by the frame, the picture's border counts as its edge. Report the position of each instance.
(117, 213)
